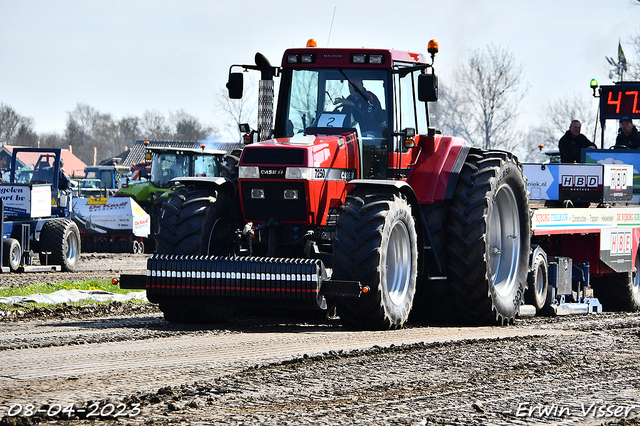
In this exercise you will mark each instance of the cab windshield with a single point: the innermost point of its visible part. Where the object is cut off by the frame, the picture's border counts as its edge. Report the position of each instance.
(167, 166)
(329, 98)
(322, 99)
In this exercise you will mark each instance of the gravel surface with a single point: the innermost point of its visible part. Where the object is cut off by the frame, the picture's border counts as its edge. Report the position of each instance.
(571, 370)
(124, 364)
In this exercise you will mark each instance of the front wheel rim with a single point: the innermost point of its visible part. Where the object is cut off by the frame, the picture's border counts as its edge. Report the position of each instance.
(398, 274)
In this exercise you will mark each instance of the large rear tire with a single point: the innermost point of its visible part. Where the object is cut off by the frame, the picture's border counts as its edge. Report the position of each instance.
(376, 244)
(61, 238)
(489, 239)
(195, 222)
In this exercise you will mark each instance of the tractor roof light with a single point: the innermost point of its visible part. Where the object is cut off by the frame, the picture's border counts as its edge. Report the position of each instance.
(312, 43)
(292, 58)
(432, 47)
(358, 58)
(375, 59)
(306, 59)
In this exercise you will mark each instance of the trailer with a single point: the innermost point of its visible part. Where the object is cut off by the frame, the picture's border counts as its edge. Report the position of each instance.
(36, 216)
(111, 224)
(350, 202)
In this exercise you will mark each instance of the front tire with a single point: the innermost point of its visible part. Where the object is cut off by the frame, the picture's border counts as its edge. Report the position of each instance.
(376, 244)
(489, 239)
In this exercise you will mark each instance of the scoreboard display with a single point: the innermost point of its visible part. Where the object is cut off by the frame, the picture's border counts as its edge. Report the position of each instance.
(620, 100)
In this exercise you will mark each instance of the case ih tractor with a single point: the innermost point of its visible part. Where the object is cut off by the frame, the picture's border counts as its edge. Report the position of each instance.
(351, 200)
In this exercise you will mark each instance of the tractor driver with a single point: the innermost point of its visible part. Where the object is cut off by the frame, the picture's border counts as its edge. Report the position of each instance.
(628, 135)
(365, 107)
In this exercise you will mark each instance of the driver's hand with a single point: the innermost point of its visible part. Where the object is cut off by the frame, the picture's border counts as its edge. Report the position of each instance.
(338, 101)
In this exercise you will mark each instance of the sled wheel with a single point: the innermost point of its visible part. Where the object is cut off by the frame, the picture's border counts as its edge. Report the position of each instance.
(61, 238)
(186, 225)
(537, 293)
(11, 254)
(376, 244)
(489, 231)
(620, 292)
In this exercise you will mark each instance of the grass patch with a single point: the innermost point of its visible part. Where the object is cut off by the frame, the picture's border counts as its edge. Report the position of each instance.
(28, 309)
(43, 288)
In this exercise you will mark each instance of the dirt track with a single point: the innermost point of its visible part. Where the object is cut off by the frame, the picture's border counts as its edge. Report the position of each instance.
(571, 370)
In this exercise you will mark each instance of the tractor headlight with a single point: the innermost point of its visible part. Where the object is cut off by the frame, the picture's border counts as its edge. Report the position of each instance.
(297, 173)
(248, 172)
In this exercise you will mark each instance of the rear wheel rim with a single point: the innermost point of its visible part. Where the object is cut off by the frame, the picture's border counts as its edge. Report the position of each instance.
(398, 265)
(503, 240)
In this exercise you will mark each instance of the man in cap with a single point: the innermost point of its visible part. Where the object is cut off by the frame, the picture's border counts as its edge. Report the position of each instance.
(572, 143)
(628, 135)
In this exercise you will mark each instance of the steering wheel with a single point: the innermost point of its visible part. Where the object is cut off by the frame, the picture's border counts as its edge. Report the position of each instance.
(358, 115)
(620, 147)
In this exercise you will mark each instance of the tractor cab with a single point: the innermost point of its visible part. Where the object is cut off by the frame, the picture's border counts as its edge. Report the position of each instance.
(369, 93)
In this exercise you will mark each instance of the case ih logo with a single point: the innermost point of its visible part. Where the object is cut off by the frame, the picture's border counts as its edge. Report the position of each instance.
(579, 181)
(271, 172)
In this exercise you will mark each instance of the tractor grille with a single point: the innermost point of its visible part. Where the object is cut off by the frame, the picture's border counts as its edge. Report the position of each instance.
(293, 157)
(274, 205)
(234, 278)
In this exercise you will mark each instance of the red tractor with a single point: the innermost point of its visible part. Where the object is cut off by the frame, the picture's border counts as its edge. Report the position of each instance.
(349, 200)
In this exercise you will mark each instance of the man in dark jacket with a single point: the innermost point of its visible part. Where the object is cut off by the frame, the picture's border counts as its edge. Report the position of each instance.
(628, 135)
(572, 143)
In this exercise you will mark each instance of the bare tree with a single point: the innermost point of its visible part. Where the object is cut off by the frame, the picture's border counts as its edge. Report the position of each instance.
(188, 128)
(483, 102)
(87, 129)
(154, 126)
(237, 111)
(15, 129)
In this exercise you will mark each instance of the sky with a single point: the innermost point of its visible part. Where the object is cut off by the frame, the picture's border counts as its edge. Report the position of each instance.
(126, 57)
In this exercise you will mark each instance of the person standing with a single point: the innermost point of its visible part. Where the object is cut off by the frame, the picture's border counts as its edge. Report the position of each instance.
(572, 143)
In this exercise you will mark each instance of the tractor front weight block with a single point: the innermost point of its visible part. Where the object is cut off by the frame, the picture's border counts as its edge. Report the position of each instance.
(301, 283)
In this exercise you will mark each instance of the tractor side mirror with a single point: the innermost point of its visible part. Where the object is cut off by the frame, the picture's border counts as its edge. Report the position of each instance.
(235, 85)
(428, 87)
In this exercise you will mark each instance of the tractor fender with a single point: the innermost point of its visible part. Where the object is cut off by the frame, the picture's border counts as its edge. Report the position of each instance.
(435, 174)
(207, 182)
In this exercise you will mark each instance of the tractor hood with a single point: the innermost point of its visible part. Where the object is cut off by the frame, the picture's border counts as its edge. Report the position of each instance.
(299, 179)
(310, 151)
